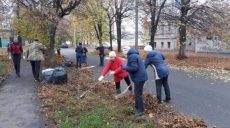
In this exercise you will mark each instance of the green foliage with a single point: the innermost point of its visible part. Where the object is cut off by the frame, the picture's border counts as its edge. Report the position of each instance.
(3, 69)
(31, 28)
(88, 21)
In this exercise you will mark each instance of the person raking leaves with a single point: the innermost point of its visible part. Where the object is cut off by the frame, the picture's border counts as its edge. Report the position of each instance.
(114, 66)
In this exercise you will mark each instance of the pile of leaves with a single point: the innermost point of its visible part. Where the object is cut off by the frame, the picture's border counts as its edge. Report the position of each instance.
(99, 108)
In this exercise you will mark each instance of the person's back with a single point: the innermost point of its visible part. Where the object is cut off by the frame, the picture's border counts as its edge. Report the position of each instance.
(35, 51)
(101, 50)
(138, 72)
(157, 59)
(79, 50)
(79, 53)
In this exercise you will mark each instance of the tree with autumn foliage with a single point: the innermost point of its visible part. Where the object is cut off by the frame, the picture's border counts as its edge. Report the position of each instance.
(52, 12)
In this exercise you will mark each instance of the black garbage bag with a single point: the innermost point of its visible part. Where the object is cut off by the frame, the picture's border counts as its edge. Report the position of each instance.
(48, 75)
(59, 76)
(67, 63)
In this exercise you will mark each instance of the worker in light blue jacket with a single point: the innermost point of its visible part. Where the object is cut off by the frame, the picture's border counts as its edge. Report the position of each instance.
(156, 58)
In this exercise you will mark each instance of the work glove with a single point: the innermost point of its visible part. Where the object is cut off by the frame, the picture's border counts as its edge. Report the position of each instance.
(100, 78)
(112, 73)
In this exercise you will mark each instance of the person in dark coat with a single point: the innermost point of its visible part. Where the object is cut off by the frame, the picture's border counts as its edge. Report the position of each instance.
(84, 55)
(156, 58)
(79, 52)
(136, 68)
(16, 51)
(101, 50)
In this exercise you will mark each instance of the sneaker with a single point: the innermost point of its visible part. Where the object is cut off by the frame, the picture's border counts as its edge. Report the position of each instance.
(36, 80)
(159, 101)
(139, 113)
(167, 100)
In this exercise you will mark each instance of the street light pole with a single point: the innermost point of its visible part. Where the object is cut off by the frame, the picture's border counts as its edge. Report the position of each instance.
(136, 24)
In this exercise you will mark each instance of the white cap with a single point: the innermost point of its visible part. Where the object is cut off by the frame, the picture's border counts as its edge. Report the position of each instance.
(112, 54)
(148, 48)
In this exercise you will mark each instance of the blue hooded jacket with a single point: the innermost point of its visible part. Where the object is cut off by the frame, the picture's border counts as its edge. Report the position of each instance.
(156, 58)
(135, 66)
(79, 50)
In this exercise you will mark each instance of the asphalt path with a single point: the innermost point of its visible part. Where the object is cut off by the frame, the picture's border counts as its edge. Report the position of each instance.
(192, 94)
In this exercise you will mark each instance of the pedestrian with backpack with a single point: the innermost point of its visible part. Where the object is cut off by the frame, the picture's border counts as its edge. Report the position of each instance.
(16, 51)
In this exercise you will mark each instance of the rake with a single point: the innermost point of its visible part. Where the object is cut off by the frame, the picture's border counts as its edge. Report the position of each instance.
(84, 93)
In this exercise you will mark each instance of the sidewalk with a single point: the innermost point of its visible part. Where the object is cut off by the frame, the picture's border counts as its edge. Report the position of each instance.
(19, 106)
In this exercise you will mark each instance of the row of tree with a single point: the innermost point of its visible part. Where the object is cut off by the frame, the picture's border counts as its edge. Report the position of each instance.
(44, 19)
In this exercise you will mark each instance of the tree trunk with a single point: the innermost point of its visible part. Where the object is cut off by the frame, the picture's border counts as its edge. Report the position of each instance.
(118, 23)
(52, 32)
(110, 36)
(182, 47)
(182, 28)
(153, 23)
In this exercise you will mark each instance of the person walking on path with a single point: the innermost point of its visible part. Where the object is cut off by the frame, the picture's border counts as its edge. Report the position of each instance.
(79, 52)
(84, 55)
(114, 64)
(156, 58)
(16, 51)
(138, 74)
(34, 54)
(101, 50)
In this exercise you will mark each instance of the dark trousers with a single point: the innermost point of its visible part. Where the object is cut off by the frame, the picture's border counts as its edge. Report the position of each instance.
(78, 63)
(138, 90)
(35, 68)
(84, 59)
(17, 60)
(101, 60)
(128, 82)
(163, 81)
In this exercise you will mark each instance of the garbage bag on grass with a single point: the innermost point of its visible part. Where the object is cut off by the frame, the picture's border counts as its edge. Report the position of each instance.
(59, 76)
(48, 75)
(67, 63)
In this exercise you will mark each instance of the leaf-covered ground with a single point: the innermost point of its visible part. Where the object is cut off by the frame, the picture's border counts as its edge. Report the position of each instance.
(99, 109)
(5, 66)
(210, 66)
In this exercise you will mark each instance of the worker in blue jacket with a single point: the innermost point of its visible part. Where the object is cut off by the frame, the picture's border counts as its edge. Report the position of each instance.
(156, 58)
(136, 68)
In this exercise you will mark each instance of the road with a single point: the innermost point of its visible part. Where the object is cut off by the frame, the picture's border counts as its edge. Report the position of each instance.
(192, 94)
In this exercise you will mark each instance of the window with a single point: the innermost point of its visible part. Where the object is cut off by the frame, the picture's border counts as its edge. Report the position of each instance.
(155, 44)
(169, 43)
(162, 44)
(162, 29)
(169, 27)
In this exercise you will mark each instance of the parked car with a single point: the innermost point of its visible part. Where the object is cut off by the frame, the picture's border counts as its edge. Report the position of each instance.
(106, 46)
(63, 45)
